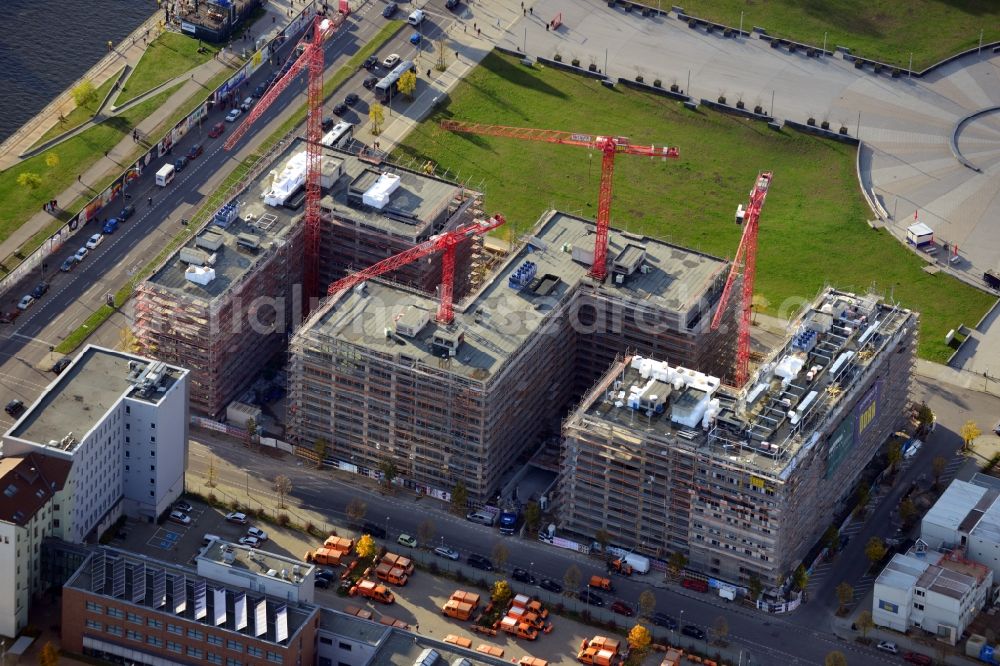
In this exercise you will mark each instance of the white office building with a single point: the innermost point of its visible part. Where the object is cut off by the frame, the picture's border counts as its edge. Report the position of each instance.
(967, 516)
(122, 422)
(932, 591)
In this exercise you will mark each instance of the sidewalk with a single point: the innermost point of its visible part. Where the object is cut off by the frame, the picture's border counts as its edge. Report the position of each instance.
(124, 153)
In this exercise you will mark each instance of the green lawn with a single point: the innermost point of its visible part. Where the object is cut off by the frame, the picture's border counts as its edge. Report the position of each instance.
(813, 229)
(76, 155)
(169, 55)
(80, 114)
(886, 30)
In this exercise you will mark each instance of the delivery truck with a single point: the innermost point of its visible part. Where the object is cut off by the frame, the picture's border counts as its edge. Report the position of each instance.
(165, 175)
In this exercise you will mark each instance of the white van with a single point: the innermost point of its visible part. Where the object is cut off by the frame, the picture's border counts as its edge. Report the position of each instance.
(416, 18)
(209, 538)
(165, 175)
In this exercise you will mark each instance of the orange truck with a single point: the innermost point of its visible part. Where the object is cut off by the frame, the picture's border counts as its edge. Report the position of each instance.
(461, 605)
(672, 658)
(514, 627)
(398, 562)
(599, 651)
(600, 583)
(332, 552)
(373, 590)
(390, 574)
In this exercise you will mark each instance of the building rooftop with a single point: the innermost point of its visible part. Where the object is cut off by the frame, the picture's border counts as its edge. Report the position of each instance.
(494, 322)
(80, 397)
(256, 561)
(933, 571)
(28, 482)
(970, 508)
(350, 626)
(766, 423)
(180, 592)
(399, 648)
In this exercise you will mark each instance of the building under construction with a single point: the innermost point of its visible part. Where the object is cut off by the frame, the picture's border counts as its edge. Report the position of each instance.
(223, 304)
(374, 375)
(741, 481)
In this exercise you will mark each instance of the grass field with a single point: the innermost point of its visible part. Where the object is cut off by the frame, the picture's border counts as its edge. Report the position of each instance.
(80, 114)
(76, 155)
(813, 229)
(169, 55)
(886, 30)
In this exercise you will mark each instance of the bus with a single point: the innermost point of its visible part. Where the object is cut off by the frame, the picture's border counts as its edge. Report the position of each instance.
(339, 136)
(386, 88)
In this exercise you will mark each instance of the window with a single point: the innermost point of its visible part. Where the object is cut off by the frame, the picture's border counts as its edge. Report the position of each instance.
(93, 624)
(234, 646)
(114, 630)
(153, 622)
(154, 640)
(254, 651)
(195, 634)
(175, 629)
(275, 658)
(115, 612)
(153, 426)
(918, 606)
(128, 409)
(326, 641)
(152, 468)
(96, 608)
(233, 662)
(132, 617)
(214, 640)
(133, 635)
(345, 646)
(214, 659)
(195, 652)
(174, 646)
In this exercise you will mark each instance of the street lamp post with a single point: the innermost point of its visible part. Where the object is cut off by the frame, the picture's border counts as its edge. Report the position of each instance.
(531, 566)
(387, 528)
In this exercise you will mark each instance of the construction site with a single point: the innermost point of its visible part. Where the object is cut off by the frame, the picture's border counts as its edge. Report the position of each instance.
(670, 459)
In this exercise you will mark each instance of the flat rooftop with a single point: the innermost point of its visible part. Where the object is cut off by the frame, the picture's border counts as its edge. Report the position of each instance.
(254, 560)
(178, 591)
(400, 649)
(350, 626)
(414, 209)
(85, 391)
(498, 319)
(765, 423)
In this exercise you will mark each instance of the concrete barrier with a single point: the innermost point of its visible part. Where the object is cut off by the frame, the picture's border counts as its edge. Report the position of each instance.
(645, 87)
(819, 131)
(735, 111)
(583, 71)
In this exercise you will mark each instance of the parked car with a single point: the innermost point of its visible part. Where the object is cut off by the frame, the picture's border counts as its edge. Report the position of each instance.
(68, 265)
(917, 658)
(328, 574)
(479, 562)
(126, 213)
(340, 109)
(183, 506)
(390, 9)
(522, 576)
(888, 646)
(233, 115)
(322, 583)
(26, 302)
(80, 254)
(550, 585)
(111, 226)
(376, 531)
(195, 151)
(247, 103)
(588, 597)
(415, 38)
(351, 99)
(664, 620)
(371, 62)
(257, 532)
(40, 289)
(444, 551)
(94, 241)
(416, 17)
(180, 517)
(180, 163)
(258, 92)
(693, 631)
(251, 541)
(390, 60)
(15, 407)
(327, 124)
(406, 540)
(61, 364)
(622, 608)
(217, 130)
(370, 82)
(237, 517)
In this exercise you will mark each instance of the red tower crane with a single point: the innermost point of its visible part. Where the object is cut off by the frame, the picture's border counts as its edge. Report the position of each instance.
(312, 57)
(609, 147)
(745, 262)
(446, 242)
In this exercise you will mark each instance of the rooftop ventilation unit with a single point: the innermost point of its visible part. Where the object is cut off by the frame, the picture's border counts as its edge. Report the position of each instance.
(377, 196)
(248, 241)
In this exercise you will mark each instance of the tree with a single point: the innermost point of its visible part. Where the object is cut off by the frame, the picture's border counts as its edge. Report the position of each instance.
(863, 494)
(366, 546)
(845, 594)
(969, 432)
(459, 498)
(835, 658)
(251, 430)
(320, 447)
(831, 538)
(800, 578)
(501, 592)
(127, 340)
(425, 531)
(603, 539)
(647, 603)
(282, 486)
(677, 562)
(441, 65)
(532, 516)
(49, 655)
(571, 579)
(925, 417)
(759, 302)
(639, 638)
(937, 468)
(407, 83)
(376, 114)
(865, 623)
(388, 469)
(211, 473)
(84, 94)
(52, 160)
(29, 179)
(720, 629)
(500, 555)
(356, 510)
(907, 511)
(755, 586)
(875, 550)
(895, 454)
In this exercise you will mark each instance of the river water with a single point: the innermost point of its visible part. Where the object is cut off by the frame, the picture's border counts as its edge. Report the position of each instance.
(46, 45)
